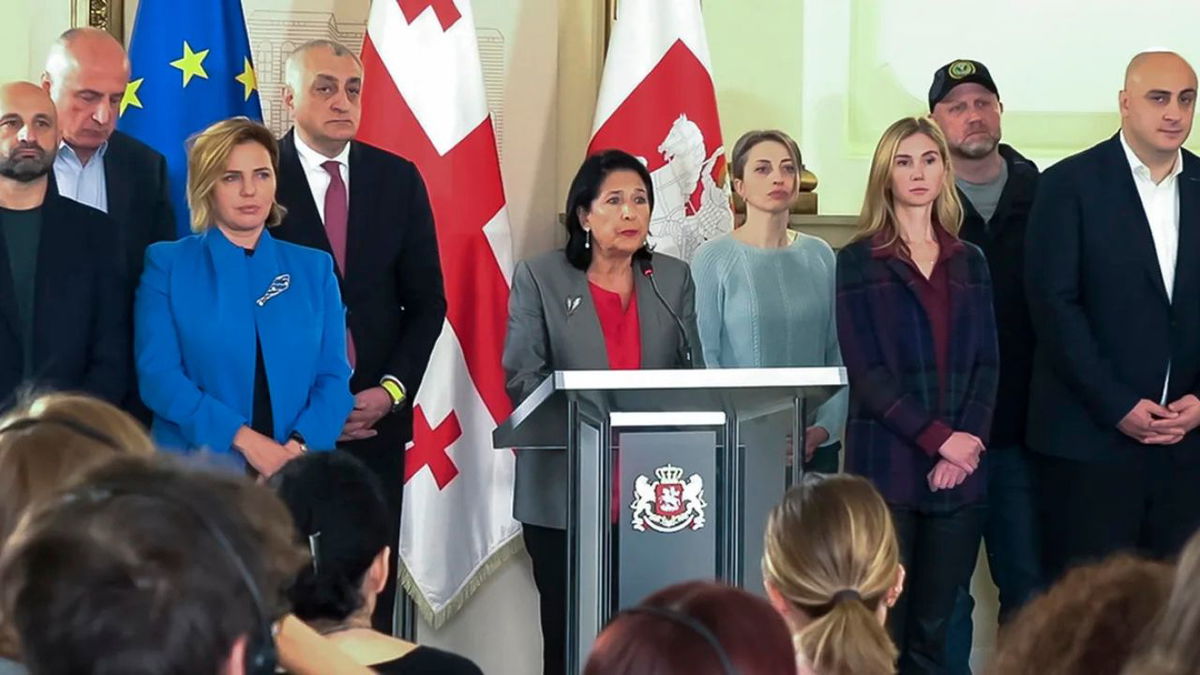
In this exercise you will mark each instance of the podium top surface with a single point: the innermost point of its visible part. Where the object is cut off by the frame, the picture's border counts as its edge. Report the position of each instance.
(539, 420)
(698, 378)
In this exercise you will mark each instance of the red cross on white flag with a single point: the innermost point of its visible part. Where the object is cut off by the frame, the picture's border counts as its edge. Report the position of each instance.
(424, 99)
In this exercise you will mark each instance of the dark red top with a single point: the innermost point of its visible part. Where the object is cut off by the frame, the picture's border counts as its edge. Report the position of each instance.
(622, 334)
(934, 295)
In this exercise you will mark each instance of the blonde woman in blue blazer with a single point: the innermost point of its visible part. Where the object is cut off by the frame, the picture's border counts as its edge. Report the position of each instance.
(240, 338)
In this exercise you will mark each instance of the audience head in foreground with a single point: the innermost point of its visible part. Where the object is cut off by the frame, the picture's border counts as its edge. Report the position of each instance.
(1172, 644)
(340, 515)
(146, 568)
(694, 628)
(1088, 623)
(831, 566)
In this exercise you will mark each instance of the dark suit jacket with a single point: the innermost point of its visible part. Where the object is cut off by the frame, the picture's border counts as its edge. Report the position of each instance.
(82, 329)
(1105, 328)
(392, 288)
(549, 330)
(1003, 242)
(135, 177)
(895, 388)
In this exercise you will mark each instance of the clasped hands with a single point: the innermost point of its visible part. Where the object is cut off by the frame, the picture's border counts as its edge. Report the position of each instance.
(960, 457)
(1154, 424)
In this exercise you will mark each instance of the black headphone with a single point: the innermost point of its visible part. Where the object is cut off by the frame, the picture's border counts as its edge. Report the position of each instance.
(261, 657)
(85, 430)
(692, 624)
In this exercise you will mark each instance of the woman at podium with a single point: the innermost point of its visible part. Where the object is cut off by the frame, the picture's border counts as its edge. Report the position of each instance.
(764, 293)
(605, 301)
(915, 322)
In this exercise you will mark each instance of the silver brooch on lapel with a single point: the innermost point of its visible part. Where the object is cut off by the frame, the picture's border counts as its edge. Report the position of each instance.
(573, 304)
(280, 284)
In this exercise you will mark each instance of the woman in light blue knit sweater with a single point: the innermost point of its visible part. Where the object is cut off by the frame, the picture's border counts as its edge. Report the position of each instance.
(765, 294)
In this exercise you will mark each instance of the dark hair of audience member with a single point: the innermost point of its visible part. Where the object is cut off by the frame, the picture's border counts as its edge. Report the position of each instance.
(340, 514)
(1172, 644)
(831, 564)
(1087, 623)
(122, 575)
(748, 629)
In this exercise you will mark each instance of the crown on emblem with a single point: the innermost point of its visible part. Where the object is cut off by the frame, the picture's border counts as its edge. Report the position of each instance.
(669, 474)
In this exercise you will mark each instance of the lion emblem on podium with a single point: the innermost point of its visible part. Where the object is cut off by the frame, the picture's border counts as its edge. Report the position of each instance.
(668, 504)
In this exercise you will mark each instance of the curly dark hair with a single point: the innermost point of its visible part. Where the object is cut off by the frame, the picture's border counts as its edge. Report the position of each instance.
(1088, 623)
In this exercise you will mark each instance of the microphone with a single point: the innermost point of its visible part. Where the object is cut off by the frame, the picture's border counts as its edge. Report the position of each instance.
(648, 272)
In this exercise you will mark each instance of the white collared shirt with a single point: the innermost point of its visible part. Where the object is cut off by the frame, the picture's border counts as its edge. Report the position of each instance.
(84, 183)
(318, 177)
(1160, 201)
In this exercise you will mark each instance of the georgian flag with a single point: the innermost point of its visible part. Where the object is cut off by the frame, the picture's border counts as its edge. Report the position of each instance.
(657, 102)
(423, 99)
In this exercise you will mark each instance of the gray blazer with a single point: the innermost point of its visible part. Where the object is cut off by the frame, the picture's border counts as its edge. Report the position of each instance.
(552, 325)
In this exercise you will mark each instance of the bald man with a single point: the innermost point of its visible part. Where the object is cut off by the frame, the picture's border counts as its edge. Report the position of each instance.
(1113, 282)
(64, 309)
(86, 73)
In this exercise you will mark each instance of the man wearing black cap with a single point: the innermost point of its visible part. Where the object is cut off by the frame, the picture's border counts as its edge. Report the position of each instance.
(997, 186)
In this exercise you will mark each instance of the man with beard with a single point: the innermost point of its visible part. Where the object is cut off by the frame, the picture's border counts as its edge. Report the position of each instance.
(64, 310)
(996, 186)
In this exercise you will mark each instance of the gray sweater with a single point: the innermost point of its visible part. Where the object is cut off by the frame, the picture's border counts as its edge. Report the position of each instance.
(770, 308)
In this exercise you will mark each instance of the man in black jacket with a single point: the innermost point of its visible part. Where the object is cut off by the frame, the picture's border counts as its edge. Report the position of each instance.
(86, 73)
(369, 209)
(1113, 273)
(64, 310)
(996, 186)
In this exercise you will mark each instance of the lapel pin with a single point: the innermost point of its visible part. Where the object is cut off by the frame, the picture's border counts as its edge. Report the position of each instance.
(573, 304)
(280, 284)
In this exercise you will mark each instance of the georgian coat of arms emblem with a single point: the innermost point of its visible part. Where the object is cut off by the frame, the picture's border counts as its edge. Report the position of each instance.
(668, 504)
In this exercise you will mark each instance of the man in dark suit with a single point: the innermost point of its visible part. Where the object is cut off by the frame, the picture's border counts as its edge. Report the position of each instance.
(369, 209)
(86, 73)
(64, 311)
(1113, 277)
(996, 186)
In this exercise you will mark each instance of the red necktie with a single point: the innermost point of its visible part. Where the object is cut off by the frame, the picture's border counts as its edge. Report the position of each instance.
(337, 214)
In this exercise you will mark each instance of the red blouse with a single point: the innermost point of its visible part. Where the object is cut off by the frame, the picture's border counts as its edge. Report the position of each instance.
(622, 334)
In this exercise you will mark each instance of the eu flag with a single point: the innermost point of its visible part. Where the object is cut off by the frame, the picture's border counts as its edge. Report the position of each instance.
(190, 67)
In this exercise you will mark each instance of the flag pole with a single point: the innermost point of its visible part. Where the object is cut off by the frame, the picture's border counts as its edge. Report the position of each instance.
(404, 620)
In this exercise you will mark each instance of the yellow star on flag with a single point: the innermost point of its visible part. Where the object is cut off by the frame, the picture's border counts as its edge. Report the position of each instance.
(131, 98)
(191, 63)
(248, 79)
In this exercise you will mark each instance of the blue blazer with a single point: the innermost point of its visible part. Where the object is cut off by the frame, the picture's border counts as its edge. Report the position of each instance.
(197, 309)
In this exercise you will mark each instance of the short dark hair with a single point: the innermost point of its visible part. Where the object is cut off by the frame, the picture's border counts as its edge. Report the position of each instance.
(339, 511)
(585, 187)
(752, 635)
(136, 571)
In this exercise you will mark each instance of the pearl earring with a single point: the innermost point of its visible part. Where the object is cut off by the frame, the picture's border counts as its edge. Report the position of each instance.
(587, 243)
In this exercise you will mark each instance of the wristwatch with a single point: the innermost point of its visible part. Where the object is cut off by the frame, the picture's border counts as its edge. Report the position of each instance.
(395, 389)
(299, 440)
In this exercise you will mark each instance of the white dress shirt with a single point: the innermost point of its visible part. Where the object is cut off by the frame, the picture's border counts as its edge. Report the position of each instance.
(1160, 201)
(85, 183)
(318, 177)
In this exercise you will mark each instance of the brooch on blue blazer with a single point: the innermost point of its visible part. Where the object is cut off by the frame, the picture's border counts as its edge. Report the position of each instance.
(573, 304)
(278, 285)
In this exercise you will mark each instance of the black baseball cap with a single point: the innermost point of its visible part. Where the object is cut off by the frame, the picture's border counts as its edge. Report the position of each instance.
(958, 72)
